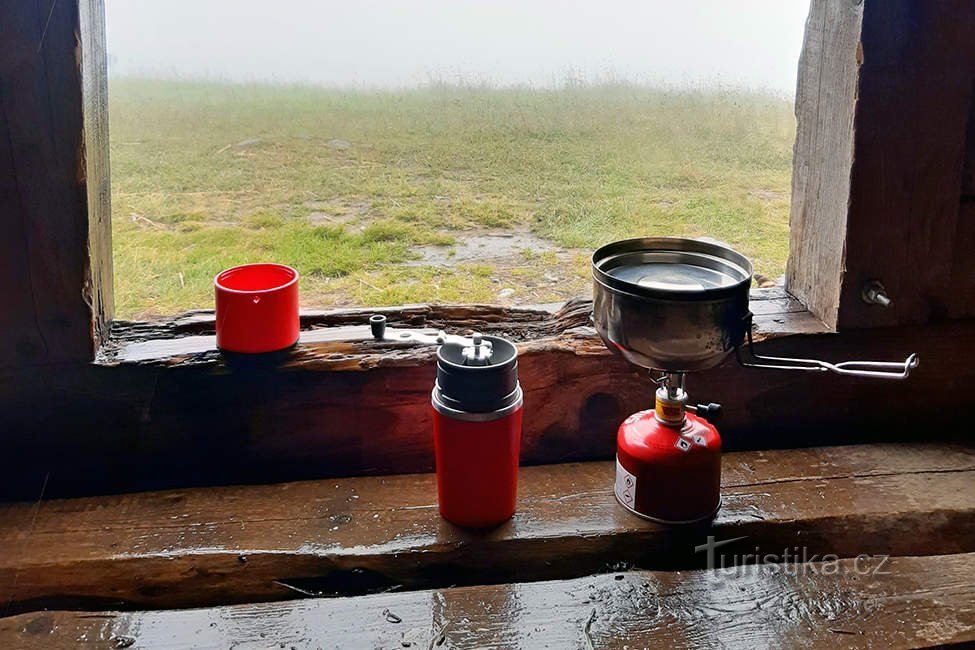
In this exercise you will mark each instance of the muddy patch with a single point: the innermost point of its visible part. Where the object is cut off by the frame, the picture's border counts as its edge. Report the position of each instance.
(770, 196)
(325, 213)
(525, 267)
(485, 247)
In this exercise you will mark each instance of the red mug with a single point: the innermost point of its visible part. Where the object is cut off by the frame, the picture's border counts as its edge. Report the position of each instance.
(257, 308)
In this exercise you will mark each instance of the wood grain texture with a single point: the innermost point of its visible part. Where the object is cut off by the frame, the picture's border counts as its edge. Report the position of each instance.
(829, 67)
(962, 282)
(885, 93)
(912, 111)
(910, 602)
(515, 322)
(100, 289)
(243, 544)
(51, 306)
(346, 408)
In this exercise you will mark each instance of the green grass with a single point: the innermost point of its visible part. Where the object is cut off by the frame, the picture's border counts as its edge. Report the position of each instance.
(576, 166)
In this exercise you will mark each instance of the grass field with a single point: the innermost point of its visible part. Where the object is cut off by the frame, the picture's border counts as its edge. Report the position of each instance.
(405, 196)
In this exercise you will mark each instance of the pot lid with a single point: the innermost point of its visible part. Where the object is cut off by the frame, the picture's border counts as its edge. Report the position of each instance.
(670, 267)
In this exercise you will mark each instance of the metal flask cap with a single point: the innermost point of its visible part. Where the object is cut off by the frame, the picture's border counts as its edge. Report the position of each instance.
(478, 375)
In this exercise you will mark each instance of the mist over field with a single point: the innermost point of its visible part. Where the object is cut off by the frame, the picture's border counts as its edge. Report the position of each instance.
(372, 43)
(441, 151)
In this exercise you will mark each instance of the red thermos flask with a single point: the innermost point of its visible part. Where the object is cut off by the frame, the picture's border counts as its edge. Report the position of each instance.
(477, 405)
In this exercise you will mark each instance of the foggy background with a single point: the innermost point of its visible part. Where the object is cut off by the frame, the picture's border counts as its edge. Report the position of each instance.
(369, 44)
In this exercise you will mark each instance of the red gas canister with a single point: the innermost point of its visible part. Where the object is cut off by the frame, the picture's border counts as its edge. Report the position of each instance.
(477, 404)
(668, 463)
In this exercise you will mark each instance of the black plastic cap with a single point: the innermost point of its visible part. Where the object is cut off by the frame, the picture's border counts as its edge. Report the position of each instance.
(710, 412)
(478, 388)
(377, 323)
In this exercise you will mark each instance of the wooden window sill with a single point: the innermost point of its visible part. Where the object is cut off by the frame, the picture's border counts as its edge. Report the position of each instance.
(340, 339)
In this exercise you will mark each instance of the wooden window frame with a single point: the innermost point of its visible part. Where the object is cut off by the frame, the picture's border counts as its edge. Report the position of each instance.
(54, 182)
(883, 190)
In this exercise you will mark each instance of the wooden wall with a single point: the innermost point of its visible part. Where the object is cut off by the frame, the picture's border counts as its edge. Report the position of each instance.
(883, 109)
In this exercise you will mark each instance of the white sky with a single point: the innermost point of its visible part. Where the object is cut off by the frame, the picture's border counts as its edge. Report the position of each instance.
(371, 43)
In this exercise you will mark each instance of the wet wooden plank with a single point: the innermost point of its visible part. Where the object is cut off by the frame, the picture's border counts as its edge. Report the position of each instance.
(901, 602)
(242, 544)
(774, 306)
(521, 322)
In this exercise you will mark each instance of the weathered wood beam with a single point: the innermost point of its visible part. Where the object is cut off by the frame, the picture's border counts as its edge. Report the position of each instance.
(346, 407)
(884, 95)
(188, 339)
(905, 602)
(223, 545)
(100, 287)
(823, 152)
(55, 255)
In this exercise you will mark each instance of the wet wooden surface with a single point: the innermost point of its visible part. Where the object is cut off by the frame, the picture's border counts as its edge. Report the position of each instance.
(242, 544)
(911, 602)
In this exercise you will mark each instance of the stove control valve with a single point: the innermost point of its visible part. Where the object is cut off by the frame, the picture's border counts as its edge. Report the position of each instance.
(710, 412)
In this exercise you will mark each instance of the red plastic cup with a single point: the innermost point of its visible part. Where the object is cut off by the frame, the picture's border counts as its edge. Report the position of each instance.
(257, 308)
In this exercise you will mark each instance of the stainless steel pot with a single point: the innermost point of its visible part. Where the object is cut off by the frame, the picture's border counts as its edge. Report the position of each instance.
(674, 304)
(669, 303)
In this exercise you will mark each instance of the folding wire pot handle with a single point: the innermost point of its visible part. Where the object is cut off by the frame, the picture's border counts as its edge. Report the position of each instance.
(876, 369)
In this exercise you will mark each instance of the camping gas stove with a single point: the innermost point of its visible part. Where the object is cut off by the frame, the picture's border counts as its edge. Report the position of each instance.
(673, 306)
(673, 445)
